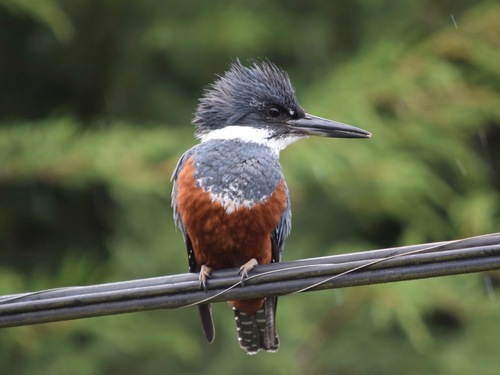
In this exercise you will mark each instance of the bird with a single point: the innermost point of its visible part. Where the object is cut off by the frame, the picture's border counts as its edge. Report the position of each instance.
(229, 197)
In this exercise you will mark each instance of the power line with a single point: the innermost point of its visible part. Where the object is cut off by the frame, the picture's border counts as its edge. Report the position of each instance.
(468, 255)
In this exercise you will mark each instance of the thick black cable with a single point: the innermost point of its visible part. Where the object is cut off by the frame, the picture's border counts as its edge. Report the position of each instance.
(473, 254)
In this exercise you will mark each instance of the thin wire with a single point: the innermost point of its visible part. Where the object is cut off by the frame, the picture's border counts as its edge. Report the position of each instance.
(376, 261)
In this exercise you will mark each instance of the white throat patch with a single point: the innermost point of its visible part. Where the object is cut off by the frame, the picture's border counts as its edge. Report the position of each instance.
(251, 135)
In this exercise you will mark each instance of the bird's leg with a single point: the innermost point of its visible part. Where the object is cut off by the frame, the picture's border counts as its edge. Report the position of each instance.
(246, 268)
(205, 273)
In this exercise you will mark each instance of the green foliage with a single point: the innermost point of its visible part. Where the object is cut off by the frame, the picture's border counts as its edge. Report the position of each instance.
(85, 162)
(47, 12)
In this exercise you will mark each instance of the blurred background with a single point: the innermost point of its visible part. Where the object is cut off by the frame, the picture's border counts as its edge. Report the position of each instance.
(96, 99)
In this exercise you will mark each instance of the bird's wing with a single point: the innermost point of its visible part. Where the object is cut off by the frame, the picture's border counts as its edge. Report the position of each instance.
(205, 309)
(193, 267)
(279, 235)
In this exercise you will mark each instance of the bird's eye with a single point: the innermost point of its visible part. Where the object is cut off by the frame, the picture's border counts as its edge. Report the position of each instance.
(274, 112)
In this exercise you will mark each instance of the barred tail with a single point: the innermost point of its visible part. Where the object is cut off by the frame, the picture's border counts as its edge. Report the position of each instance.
(256, 332)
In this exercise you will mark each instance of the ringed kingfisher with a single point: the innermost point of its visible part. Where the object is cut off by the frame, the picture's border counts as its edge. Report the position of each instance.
(229, 198)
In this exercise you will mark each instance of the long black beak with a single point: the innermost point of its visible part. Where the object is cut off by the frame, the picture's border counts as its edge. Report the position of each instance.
(314, 125)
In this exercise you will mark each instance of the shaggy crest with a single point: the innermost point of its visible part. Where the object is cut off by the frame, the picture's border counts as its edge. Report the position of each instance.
(243, 90)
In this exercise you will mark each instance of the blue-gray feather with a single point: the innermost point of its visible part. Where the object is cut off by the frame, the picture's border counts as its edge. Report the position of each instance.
(241, 170)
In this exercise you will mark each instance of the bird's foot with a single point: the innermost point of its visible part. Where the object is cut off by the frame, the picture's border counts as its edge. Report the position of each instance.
(205, 274)
(246, 268)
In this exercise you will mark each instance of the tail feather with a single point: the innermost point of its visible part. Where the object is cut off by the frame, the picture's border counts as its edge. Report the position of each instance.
(207, 322)
(256, 332)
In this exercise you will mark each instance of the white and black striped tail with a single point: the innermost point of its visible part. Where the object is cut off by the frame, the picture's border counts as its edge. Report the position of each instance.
(258, 332)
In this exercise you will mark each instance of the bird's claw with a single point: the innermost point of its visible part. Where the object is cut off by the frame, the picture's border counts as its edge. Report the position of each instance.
(246, 268)
(205, 274)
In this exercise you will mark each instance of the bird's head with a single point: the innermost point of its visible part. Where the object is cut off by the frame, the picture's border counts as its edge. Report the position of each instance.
(258, 103)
